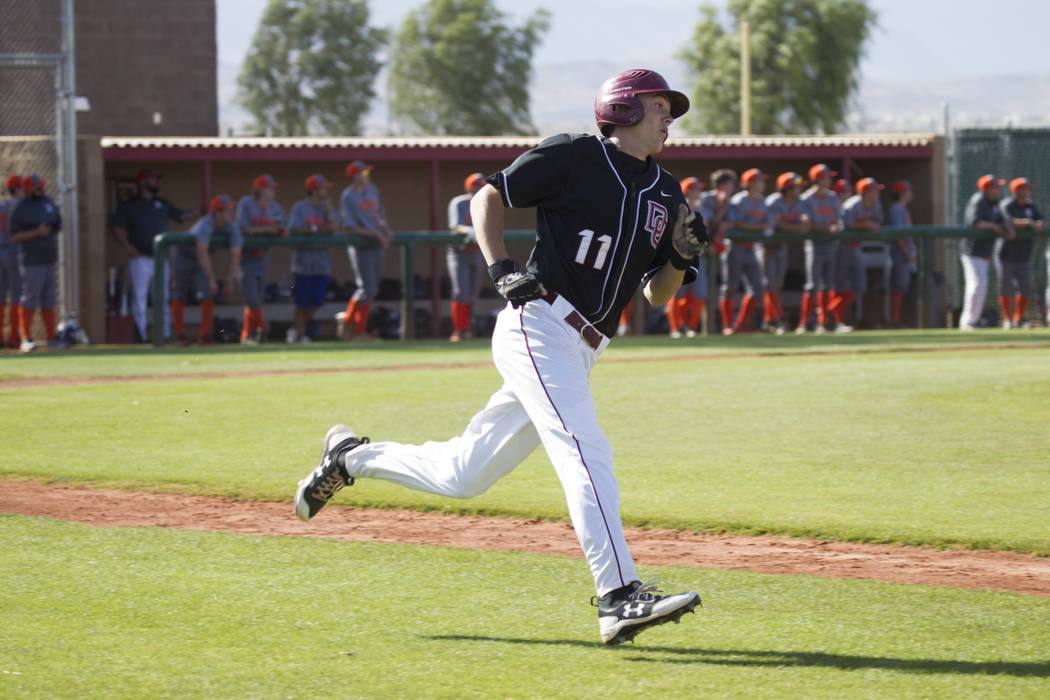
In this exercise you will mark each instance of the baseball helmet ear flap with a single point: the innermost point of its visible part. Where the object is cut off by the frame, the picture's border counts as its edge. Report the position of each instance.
(617, 103)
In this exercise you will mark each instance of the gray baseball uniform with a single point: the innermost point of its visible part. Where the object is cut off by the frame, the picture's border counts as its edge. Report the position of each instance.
(820, 257)
(364, 209)
(849, 267)
(255, 262)
(740, 262)
(188, 276)
(466, 264)
(10, 275)
(775, 254)
(304, 215)
(902, 250)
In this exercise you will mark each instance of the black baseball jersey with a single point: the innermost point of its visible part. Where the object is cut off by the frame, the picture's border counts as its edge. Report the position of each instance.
(1019, 249)
(144, 218)
(980, 208)
(28, 214)
(603, 221)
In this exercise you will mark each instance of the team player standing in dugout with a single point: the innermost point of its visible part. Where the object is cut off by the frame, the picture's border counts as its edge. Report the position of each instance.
(608, 218)
(982, 212)
(466, 265)
(135, 223)
(1015, 255)
(10, 273)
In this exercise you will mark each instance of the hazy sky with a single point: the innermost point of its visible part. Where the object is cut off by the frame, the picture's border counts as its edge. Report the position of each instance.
(916, 39)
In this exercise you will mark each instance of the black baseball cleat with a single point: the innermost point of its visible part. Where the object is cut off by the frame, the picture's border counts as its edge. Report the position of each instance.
(624, 613)
(330, 476)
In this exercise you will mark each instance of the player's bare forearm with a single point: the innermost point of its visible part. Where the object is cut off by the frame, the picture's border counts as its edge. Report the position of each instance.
(486, 211)
(235, 264)
(663, 285)
(24, 236)
(746, 226)
(260, 230)
(121, 234)
(204, 260)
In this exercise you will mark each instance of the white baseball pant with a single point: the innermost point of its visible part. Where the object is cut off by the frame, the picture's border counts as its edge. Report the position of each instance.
(1048, 284)
(545, 399)
(975, 276)
(140, 270)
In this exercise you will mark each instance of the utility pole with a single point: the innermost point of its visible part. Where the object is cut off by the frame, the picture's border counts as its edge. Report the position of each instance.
(745, 79)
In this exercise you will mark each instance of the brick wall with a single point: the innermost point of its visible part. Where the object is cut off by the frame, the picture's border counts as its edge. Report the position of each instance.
(140, 57)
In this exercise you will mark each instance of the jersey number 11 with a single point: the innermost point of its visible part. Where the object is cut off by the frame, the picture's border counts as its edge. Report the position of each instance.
(604, 242)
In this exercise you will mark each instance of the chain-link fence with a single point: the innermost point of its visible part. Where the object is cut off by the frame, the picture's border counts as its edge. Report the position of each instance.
(31, 40)
(37, 118)
(1005, 153)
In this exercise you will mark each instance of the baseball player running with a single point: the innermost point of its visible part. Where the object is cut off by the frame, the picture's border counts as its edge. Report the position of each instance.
(686, 308)
(363, 214)
(258, 214)
(982, 212)
(312, 267)
(820, 256)
(193, 269)
(1015, 256)
(465, 262)
(10, 274)
(747, 211)
(790, 214)
(903, 253)
(861, 212)
(608, 218)
(35, 223)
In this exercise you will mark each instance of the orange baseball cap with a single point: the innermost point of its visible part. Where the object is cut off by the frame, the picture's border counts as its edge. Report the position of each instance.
(263, 181)
(819, 170)
(219, 202)
(691, 182)
(1019, 182)
(986, 181)
(33, 182)
(901, 186)
(317, 182)
(752, 175)
(865, 184)
(13, 182)
(839, 186)
(472, 180)
(789, 179)
(358, 166)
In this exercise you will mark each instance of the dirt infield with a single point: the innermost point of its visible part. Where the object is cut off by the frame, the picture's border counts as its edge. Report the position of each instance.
(1001, 571)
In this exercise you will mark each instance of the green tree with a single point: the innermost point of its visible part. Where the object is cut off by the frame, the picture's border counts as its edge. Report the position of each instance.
(312, 67)
(459, 68)
(805, 56)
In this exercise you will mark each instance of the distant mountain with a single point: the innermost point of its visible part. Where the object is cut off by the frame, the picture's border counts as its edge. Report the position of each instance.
(996, 101)
(563, 98)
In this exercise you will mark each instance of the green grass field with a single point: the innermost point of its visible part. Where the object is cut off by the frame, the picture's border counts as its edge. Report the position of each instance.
(928, 438)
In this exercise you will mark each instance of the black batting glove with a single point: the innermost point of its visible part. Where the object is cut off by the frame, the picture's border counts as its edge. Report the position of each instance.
(690, 235)
(516, 287)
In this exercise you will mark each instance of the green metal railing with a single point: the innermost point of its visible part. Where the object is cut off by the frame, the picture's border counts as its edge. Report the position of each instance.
(408, 241)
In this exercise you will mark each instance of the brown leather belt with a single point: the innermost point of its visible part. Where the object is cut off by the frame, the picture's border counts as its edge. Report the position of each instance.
(589, 333)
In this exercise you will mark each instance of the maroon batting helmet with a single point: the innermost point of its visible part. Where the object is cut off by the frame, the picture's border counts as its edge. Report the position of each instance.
(617, 103)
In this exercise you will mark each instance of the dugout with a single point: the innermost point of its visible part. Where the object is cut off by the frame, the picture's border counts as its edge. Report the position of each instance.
(418, 176)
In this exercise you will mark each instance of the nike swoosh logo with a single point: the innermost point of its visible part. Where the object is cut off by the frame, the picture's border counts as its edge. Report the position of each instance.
(664, 194)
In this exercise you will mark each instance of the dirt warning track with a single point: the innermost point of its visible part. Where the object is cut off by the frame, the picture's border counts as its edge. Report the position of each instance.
(1003, 571)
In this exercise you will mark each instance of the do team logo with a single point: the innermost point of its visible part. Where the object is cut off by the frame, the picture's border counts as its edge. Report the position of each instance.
(656, 222)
